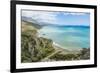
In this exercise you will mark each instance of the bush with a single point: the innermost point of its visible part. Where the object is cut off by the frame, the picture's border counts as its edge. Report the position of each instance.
(34, 48)
(59, 56)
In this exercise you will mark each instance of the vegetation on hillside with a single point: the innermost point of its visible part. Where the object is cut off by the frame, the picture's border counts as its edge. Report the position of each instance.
(84, 54)
(35, 49)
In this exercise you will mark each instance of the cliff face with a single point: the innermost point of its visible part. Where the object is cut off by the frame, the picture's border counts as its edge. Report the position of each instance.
(33, 48)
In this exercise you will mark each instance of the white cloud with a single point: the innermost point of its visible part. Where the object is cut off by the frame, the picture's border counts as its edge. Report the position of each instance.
(74, 13)
(52, 17)
(41, 16)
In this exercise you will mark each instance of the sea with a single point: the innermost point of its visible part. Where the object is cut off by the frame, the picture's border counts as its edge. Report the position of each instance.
(69, 37)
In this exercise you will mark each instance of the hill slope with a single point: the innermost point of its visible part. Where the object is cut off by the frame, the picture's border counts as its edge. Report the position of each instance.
(33, 48)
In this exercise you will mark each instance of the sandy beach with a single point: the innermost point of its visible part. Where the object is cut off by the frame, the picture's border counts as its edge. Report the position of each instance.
(65, 50)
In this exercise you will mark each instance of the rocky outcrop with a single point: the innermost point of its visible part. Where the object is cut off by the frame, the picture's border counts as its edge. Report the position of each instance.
(85, 53)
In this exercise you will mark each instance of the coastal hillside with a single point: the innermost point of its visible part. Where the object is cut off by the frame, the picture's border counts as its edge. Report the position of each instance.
(30, 21)
(33, 48)
(40, 49)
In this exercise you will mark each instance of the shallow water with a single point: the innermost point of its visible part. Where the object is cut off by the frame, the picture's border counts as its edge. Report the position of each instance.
(71, 37)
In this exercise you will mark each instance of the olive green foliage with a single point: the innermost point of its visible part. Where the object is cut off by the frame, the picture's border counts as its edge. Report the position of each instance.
(34, 48)
(84, 54)
(58, 57)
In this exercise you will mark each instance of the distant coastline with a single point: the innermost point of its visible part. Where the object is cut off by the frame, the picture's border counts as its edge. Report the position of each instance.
(67, 25)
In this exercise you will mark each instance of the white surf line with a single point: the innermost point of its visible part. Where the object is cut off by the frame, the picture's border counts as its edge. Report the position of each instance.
(59, 46)
(55, 44)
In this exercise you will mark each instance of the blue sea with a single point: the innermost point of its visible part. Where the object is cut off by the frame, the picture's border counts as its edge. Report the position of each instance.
(70, 37)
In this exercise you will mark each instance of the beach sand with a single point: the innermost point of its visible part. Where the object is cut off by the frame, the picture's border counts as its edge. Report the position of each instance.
(65, 50)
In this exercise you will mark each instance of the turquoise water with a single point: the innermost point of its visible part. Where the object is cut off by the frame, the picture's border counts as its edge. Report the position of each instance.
(71, 37)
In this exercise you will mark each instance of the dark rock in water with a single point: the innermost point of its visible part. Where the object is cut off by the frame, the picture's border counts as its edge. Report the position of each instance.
(85, 53)
(43, 34)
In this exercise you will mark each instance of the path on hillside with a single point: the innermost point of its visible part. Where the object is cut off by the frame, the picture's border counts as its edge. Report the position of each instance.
(57, 50)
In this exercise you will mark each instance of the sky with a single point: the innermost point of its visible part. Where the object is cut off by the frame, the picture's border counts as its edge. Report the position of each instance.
(59, 18)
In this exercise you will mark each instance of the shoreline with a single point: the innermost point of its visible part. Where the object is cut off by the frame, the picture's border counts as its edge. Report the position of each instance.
(65, 50)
